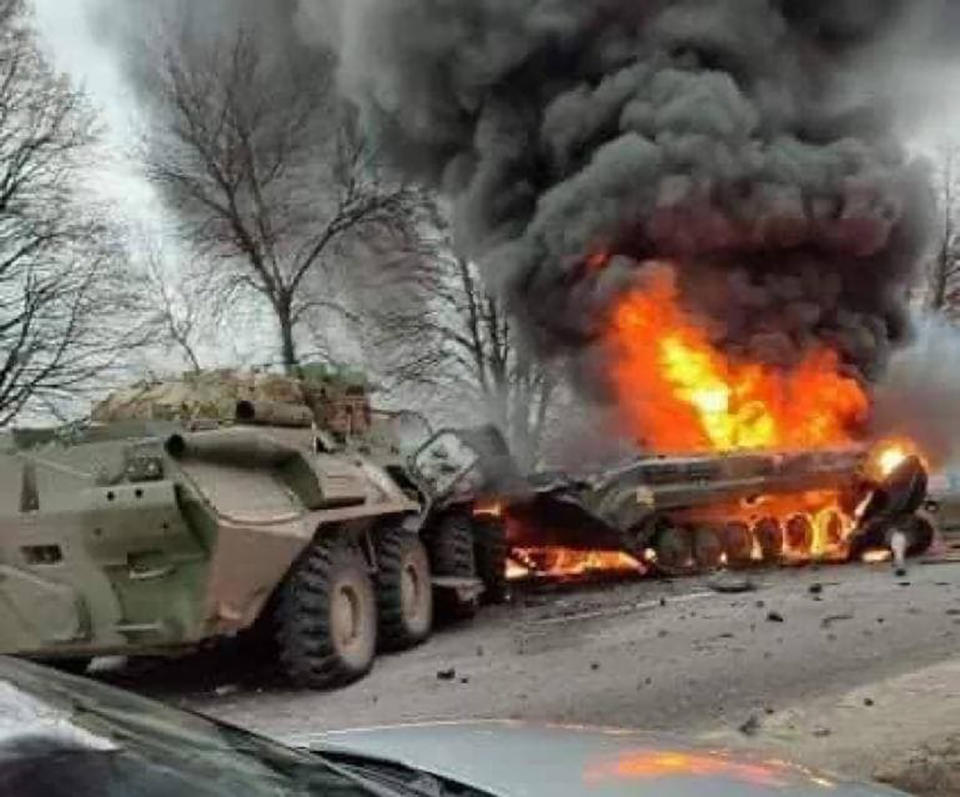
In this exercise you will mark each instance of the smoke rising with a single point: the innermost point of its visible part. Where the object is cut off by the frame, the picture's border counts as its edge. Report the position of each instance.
(918, 396)
(748, 142)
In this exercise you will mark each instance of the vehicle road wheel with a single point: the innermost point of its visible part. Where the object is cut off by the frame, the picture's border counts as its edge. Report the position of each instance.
(707, 547)
(769, 535)
(327, 616)
(452, 554)
(674, 549)
(799, 534)
(737, 543)
(404, 593)
(490, 554)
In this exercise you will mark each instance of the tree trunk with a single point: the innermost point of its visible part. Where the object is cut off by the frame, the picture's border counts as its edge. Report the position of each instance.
(288, 348)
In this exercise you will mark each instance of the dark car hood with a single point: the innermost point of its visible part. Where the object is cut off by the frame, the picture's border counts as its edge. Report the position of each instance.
(516, 759)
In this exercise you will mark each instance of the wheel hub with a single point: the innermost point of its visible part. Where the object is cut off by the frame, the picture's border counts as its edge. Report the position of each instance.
(411, 592)
(347, 616)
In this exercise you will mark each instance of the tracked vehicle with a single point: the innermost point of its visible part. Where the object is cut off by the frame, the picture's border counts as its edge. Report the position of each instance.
(221, 505)
(682, 514)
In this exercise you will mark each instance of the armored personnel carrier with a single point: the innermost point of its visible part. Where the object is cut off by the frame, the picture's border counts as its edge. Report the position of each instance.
(220, 504)
(697, 512)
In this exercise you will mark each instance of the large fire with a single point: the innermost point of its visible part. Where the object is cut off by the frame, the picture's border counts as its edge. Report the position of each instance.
(680, 393)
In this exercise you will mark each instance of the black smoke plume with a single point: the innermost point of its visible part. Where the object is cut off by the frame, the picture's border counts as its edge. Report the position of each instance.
(748, 142)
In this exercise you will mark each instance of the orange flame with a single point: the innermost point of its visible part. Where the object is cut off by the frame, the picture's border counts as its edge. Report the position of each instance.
(559, 562)
(680, 393)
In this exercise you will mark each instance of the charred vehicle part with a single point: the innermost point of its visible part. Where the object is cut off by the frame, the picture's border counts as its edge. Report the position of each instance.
(464, 477)
(682, 514)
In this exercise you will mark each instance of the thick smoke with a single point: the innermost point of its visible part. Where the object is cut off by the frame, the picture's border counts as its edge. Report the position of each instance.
(747, 141)
(918, 397)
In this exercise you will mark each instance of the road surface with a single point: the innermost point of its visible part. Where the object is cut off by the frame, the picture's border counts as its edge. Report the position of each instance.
(675, 656)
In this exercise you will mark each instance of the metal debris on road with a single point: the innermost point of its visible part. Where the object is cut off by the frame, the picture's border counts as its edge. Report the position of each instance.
(750, 727)
(826, 622)
(731, 584)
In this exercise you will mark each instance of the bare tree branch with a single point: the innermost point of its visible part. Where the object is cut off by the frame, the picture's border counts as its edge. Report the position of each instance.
(266, 169)
(429, 325)
(65, 308)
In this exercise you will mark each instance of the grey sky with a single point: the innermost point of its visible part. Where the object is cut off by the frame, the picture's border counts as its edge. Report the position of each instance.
(64, 27)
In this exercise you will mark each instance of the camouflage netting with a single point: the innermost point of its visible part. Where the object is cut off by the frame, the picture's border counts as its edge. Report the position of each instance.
(209, 395)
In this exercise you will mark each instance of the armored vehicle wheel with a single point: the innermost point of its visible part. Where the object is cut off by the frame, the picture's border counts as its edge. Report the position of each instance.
(833, 529)
(769, 534)
(737, 543)
(799, 534)
(450, 546)
(490, 555)
(707, 547)
(404, 594)
(674, 550)
(327, 616)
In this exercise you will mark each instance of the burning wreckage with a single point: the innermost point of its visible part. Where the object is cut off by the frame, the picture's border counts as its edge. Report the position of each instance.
(770, 463)
(682, 514)
(701, 208)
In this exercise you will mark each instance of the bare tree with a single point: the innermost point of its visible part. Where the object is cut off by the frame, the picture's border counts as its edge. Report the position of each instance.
(432, 330)
(174, 298)
(266, 168)
(64, 302)
(944, 275)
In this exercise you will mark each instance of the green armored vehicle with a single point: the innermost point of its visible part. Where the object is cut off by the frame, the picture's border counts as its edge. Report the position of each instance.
(222, 504)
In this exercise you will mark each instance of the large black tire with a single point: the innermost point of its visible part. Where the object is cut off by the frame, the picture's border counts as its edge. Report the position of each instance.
(404, 594)
(326, 616)
(450, 545)
(490, 555)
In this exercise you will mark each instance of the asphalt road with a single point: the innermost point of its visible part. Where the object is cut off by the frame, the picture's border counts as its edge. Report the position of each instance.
(675, 656)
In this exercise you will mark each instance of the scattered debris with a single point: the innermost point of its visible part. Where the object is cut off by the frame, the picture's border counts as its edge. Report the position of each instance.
(880, 620)
(774, 617)
(760, 604)
(769, 710)
(595, 666)
(821, 732)
(730, 584)
(226, 689)
(465, 679)
(815, 589)
(900, 572)
(446, 675)
(868, 702)
(750, 727)
(953, 612)
(904, 583)
(826, 622)
(663, 601)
